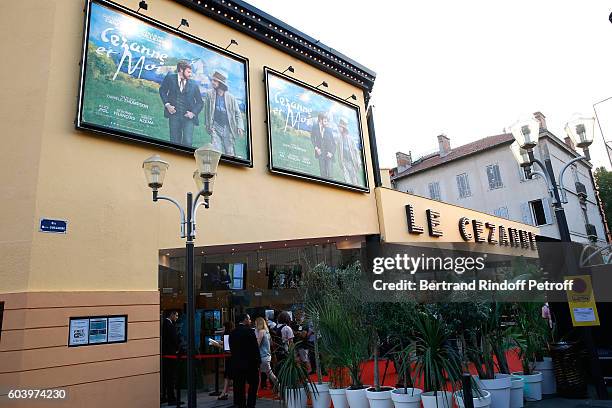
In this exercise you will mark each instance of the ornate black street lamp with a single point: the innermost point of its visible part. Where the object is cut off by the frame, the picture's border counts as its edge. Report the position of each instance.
(207, 160)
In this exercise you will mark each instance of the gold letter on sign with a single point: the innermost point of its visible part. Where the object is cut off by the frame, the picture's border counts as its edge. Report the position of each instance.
(463, 223)
(503, 237)
(478, 231)
(491, 238)
(433, 222)
(412, 227)
(515, 239)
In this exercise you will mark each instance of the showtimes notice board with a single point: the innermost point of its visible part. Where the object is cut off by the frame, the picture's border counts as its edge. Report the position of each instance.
(92, 330)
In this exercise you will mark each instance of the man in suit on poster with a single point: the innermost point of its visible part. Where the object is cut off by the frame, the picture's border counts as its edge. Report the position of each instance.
(182, 103)
(245, 361)
(322, 139)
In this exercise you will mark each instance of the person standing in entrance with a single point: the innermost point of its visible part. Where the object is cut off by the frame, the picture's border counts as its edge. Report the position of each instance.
(245, 362)
(182, 103)
(263, 339)
(223, 117)
(170, 349)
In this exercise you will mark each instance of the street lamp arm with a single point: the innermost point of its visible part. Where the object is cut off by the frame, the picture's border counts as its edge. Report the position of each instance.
(583, 260)
(173, 201)
(563, 193)
(546, 180)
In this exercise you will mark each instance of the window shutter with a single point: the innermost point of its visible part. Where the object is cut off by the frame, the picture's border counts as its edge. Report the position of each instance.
(547, 210)
(527, 217)
(521, 171)
(490, 177)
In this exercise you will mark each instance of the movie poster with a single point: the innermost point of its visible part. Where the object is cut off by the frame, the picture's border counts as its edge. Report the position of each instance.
(147, 83)
(314, 135)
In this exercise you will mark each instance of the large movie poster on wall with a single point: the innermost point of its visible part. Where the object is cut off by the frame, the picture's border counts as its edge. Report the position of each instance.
(146, 81)
(313, 134)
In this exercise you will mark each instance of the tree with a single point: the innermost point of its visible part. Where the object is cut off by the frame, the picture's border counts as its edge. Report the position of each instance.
(603, 179)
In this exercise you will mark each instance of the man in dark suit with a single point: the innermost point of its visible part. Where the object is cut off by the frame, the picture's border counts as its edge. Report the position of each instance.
(245, 361)
(170, 348)
(182, 103)
(322, 138)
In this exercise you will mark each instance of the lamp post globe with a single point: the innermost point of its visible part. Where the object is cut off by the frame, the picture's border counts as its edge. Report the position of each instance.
(521, 155)
(526, 132)
(155, 171)
(207, 160)
(581, 128)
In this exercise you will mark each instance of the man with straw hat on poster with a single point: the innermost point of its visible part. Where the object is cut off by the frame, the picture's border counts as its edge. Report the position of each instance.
(348, 154)
(223, 117)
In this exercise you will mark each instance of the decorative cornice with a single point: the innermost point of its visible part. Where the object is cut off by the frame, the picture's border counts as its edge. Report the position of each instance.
(250, 20)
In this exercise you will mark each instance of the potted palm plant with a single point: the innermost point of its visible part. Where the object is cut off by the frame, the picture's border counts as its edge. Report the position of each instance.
(436, 361)
(322, 397)
(484, 341)
(530, 338)
(345, 341)
(406, 396)
(293, 382)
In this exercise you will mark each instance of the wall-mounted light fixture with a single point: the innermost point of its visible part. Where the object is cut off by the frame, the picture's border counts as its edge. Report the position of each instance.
(290, 69)
(353, 97)
(323, 84)
(232, 42)
(184, 22)
(142, 5)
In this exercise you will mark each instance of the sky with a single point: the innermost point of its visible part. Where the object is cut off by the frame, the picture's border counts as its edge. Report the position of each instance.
(470, 68)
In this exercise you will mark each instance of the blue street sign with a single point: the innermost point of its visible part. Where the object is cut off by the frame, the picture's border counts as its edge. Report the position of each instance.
(54, 226)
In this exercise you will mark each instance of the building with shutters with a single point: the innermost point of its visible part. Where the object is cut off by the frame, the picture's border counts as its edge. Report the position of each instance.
(484, 176)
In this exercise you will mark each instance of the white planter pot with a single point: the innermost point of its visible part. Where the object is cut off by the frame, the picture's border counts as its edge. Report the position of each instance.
(411, 399)
(499, 387)
(549, 385)
(443, 399)
(532, 387)
(482, 401)
(357, 398)
(296, 399)
(516, 392)
(321, 398)
(380, 399)
(338, 397)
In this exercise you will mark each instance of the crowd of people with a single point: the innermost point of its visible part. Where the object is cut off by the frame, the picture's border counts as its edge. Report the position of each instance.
(256, 350)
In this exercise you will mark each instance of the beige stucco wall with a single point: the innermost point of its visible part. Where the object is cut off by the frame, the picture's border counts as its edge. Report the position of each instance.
(96, 182)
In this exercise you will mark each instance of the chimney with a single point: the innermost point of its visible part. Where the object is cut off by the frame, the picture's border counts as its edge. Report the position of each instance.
(540, 118)
(569, 143)
(444, 145)
(404, 161)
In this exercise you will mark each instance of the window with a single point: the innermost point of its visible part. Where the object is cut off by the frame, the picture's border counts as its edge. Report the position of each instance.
(540, 212)
(463, 185)
(494, 177)
(410, 190)
(237, 274)
(434, 191)
(525, 173)
(501, 212)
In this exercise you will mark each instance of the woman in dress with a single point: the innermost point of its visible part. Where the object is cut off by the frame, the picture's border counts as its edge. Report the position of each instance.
(227, 374)
(263, 339)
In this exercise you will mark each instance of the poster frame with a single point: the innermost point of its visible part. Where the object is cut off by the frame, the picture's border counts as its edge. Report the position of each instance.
(270, 71)
(88, 318)
(138, 138)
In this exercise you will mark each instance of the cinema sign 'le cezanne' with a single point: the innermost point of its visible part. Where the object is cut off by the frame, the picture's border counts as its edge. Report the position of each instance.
(473, 230)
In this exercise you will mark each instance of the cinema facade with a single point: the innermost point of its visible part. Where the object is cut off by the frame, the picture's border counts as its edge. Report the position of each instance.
(87, 260)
